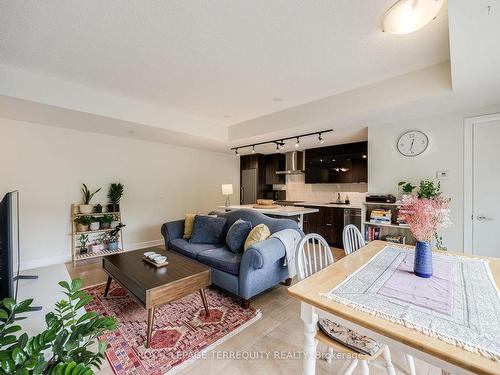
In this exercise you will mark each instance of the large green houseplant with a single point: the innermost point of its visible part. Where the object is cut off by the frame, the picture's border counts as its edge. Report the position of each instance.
(115, 194)
(63, 347)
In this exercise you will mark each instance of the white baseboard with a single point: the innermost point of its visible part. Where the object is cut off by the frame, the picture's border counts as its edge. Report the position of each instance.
(43, 262)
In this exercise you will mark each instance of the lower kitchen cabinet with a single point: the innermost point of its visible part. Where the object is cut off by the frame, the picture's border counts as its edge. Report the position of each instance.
(328, 222)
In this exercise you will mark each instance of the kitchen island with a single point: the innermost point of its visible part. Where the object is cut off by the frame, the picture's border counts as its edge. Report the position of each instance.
(285, 211)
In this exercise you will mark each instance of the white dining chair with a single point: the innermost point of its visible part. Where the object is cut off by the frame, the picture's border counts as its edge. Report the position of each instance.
(352, 239)
(312, 255)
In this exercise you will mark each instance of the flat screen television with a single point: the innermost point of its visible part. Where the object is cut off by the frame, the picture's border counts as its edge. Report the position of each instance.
(8, 243)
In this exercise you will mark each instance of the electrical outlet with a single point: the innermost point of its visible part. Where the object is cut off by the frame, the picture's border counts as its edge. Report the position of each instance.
(443, 175)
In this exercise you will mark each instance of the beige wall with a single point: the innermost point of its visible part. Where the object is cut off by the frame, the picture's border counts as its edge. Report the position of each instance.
(386, 166)
(48, 165)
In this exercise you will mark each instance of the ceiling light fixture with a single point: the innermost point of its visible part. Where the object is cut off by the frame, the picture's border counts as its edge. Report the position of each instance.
(236, 152)
(280, 143)
(407, 16)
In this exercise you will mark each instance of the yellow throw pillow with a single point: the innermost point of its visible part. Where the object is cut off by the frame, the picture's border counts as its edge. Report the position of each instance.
(188, 226)
(258, 233)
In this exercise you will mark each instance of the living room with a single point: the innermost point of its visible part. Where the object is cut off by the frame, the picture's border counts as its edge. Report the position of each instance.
(223, 135)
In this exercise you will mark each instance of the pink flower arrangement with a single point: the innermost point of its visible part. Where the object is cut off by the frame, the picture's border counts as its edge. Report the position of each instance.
(425, 216)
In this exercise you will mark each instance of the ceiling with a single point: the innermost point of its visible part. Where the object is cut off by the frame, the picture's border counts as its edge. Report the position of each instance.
(228, 60)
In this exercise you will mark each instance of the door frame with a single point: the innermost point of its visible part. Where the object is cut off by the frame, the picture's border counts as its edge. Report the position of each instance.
(469, 176)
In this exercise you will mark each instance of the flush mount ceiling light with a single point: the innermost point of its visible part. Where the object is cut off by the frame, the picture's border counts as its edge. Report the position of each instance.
(407, 16)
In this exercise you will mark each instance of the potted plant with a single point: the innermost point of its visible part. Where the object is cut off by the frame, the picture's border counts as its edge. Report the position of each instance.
(406, 187)
(96, 246)
(83, 239)
(115, 221)
(113, 242)
(98, 208)
(71, 342)
(95, 223)
(115, 193)
(86, 207)
(425, 211)
(82, 223)
(106, 221)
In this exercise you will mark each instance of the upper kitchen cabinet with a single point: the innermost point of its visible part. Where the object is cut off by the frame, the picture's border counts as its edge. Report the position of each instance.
(275, 163)
(338, 164)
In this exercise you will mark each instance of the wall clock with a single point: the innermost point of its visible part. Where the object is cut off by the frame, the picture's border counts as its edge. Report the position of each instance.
(413, 143)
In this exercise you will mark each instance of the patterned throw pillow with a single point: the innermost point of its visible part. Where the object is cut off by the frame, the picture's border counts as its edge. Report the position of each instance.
(188, 226)
(258, 233)
(237, 234)
(348, 337)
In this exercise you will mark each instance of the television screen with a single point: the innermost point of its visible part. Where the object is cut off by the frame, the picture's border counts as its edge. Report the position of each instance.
(8, 243)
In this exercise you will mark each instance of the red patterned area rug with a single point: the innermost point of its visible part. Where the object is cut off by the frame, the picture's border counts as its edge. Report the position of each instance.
(182, 332)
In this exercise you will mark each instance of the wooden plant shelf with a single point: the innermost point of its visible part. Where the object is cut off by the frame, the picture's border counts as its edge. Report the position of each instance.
(75, 250)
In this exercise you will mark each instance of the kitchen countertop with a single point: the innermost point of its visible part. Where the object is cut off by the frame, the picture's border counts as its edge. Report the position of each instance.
(322, 204)
(280, 211)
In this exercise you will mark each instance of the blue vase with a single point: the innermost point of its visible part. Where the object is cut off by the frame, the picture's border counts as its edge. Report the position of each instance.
(422, 265)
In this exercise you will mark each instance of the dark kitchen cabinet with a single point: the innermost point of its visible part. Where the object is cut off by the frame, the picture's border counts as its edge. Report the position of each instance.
(275, 163)
(346, 163)
(328, 223)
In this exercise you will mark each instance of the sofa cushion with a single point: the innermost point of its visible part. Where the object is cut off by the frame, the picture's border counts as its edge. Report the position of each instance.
(188, 226)
(237, 234)
(191, 250)
(208, 229)
(259, 233)
(222, 259)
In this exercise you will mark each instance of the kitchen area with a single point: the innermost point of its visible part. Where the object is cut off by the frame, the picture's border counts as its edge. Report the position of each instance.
(322, 188)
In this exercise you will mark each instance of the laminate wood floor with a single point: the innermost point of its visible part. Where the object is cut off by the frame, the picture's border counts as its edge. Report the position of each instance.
(272, 344)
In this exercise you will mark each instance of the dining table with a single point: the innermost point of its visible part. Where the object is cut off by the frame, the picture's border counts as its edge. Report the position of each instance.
(448, 357)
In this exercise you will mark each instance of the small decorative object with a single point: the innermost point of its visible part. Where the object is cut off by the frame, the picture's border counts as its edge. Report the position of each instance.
(82, 223)
(406, 187)
(115, 194)
(95, 247)
(98, 208)
(425, 212)
(106, 221)
(86, 207)
(83, 239)
(413, 143)
(227, 190)
(95, 223)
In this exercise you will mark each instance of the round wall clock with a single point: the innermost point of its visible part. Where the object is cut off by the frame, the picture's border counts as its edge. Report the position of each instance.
(412, 143)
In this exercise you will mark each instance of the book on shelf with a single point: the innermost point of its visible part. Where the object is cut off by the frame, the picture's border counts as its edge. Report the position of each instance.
(372, 234)
(396, 239)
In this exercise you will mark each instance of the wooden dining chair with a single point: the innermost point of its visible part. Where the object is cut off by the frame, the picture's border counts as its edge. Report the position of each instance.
(312, 255)
(352, 239)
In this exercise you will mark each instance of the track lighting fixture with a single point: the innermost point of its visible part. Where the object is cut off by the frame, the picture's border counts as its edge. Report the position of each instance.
(280, 143)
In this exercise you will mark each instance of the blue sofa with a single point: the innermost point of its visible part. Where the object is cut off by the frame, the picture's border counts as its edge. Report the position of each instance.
(246, 274)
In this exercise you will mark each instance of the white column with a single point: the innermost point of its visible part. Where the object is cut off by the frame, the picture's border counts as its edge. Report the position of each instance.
(310, 319)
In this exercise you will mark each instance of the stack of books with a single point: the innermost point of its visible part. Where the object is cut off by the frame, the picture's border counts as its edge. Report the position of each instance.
(372, 233)
(381, 216)
(396, 239)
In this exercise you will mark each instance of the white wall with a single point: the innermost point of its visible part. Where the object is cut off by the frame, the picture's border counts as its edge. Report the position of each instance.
(48, 165)
(386, 166)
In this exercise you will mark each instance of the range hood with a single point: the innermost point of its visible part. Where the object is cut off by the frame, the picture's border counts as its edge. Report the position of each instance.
(295, 163)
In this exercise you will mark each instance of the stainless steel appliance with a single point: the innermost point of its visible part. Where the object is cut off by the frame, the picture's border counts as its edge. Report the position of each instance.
(294, 163)
(352, 216)
(248, 193)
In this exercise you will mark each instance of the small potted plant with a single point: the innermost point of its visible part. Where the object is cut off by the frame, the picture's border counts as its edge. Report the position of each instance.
(96, 246)
(86, 207)
(106, 221)
(95, 223)
(98, 208)
(83, 239)
(115, 194)
(406, 187)
(113, 242)
(82, 223)
(115, 221)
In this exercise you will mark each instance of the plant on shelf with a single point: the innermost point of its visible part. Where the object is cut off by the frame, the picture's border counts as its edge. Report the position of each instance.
(98, 208)
(111, 239)
(406, 187)
(115, 194)
(426, 212)
(86, 207)
(61, 348)
(83, 239)
(96, 246)
(106, 221)
(82, 223)
(95, 223)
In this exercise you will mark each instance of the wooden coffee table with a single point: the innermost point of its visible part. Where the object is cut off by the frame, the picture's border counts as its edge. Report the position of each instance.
(151, 286)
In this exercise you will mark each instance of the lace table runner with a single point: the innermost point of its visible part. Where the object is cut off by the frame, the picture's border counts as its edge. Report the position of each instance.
(459, 304)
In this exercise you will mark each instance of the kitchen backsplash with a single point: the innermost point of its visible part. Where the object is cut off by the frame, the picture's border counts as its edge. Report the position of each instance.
(297, 189)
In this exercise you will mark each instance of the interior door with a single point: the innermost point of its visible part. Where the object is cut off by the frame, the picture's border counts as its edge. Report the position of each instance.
(248, 186)
(486, 194)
